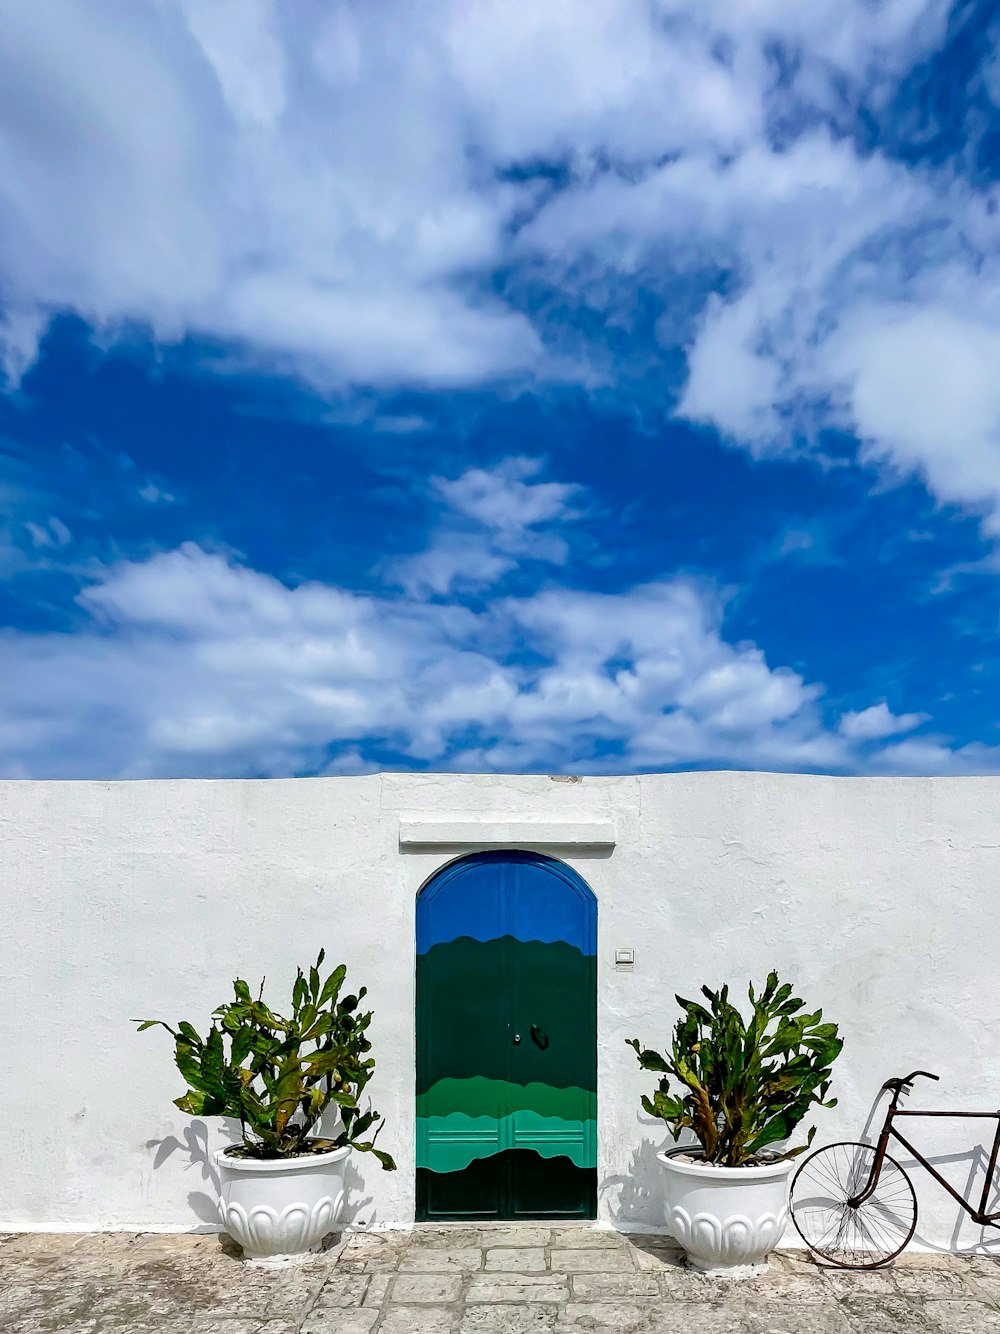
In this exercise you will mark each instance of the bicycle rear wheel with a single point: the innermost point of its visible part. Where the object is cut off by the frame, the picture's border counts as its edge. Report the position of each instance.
(860, 1237)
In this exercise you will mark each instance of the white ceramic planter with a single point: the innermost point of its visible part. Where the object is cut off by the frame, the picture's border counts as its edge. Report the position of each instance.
(728, 1219)
(280, 1209)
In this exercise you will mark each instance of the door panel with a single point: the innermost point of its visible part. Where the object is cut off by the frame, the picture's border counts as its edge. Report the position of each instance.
(506, 1041)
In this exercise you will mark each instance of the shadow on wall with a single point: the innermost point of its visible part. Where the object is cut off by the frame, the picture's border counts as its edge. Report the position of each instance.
(195, 1147)
(978, 1160)
(639, 1197)
(636, 1197)
(205, 1203)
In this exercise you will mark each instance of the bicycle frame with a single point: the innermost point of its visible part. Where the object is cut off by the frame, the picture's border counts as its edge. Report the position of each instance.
(889, 1130)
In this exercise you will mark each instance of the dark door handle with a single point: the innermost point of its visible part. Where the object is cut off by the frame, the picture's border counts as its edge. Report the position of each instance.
(538, 1037)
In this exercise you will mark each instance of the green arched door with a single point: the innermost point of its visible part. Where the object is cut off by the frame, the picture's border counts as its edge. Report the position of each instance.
(506, 1041)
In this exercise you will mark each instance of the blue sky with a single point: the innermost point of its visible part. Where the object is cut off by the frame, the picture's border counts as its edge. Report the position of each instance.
(499, 386)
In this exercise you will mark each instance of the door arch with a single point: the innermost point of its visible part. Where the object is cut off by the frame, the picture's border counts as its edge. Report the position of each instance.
(506, 1020)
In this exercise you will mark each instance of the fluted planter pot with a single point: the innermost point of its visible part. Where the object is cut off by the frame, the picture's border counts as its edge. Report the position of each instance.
(728, 1219)
(280, 1209)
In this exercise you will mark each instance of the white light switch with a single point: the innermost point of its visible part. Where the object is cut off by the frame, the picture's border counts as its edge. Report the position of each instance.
(624, 960)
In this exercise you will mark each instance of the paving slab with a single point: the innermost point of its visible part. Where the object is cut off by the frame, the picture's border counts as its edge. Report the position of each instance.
(419, 1319)
(428, 1259)
(427, 1289)
(378, 1288)
(796, 1318)
(520, 1235)
(775, 1284)
(934, 1281)
(625, 1317)
(501, 1287)
(660, 1257)
(348, 1289)
(985, 1278)
(450, 1237)
(588, 1238)
(885, 1315)
(533, 1318)
(687, 1317)
(329, 1320)
(604, 1259)
(610, 1287)
(532, 1278)
(516, 1260)
(950, 1316)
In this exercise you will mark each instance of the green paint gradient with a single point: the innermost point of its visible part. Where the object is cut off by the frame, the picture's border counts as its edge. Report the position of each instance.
(507, 1073)
(472, 995)
(479, 1096)
(449, 1143)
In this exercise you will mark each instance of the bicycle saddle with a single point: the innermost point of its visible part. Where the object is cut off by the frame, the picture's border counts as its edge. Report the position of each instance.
(904, 1081)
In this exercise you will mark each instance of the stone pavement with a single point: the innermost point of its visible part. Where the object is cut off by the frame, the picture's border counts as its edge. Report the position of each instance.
(518, 1279)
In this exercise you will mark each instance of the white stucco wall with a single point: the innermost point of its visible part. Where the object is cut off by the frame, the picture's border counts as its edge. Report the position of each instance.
(876, 897)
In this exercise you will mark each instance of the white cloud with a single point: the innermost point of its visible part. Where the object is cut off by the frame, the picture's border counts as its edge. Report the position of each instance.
(878, 721)
(329, 192)
(933, 755)
(154, 495)
(324, 186)
(924, 388)
(454, 560)
(862, 294)
(505, 499)
(21, 331)
(731, 383)
(496, 519)
(52, 533)
(564, 78)
(191, 663)
(869, 301)
(242, 44)
(232, 170)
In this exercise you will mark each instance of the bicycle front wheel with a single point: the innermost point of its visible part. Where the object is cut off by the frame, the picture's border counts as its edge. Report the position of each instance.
(859, 1237)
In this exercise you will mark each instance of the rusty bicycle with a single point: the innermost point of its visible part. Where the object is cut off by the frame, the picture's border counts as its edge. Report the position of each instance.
(853, 1204)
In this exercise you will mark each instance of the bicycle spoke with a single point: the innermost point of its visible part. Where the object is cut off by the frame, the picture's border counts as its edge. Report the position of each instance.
(865, 1235)
(830, 1177)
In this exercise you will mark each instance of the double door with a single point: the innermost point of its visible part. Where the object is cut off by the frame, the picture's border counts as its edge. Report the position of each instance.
(506, 1041)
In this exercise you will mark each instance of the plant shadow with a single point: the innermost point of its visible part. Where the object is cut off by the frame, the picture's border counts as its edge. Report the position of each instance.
(354, 1183)
(635, 1197)
(194, 1146)
(978, 1160)
(204, 1203)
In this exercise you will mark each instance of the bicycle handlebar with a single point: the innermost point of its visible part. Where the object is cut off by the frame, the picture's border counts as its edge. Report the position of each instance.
(899, 1084)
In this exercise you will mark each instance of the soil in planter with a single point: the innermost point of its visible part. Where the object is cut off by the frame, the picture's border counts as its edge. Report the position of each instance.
(311, 1147)
(697, 1159)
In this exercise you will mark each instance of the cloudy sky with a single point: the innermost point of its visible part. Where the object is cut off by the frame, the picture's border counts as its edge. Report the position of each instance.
(523, 385)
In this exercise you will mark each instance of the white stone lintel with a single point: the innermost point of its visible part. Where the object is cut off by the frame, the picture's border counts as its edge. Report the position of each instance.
(425, 832)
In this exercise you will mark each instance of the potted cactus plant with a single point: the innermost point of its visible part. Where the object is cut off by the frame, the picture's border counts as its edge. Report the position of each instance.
(739, 1088)
(282, 1187)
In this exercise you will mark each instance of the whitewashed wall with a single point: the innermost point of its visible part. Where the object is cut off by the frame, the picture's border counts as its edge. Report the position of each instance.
(876, 897)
